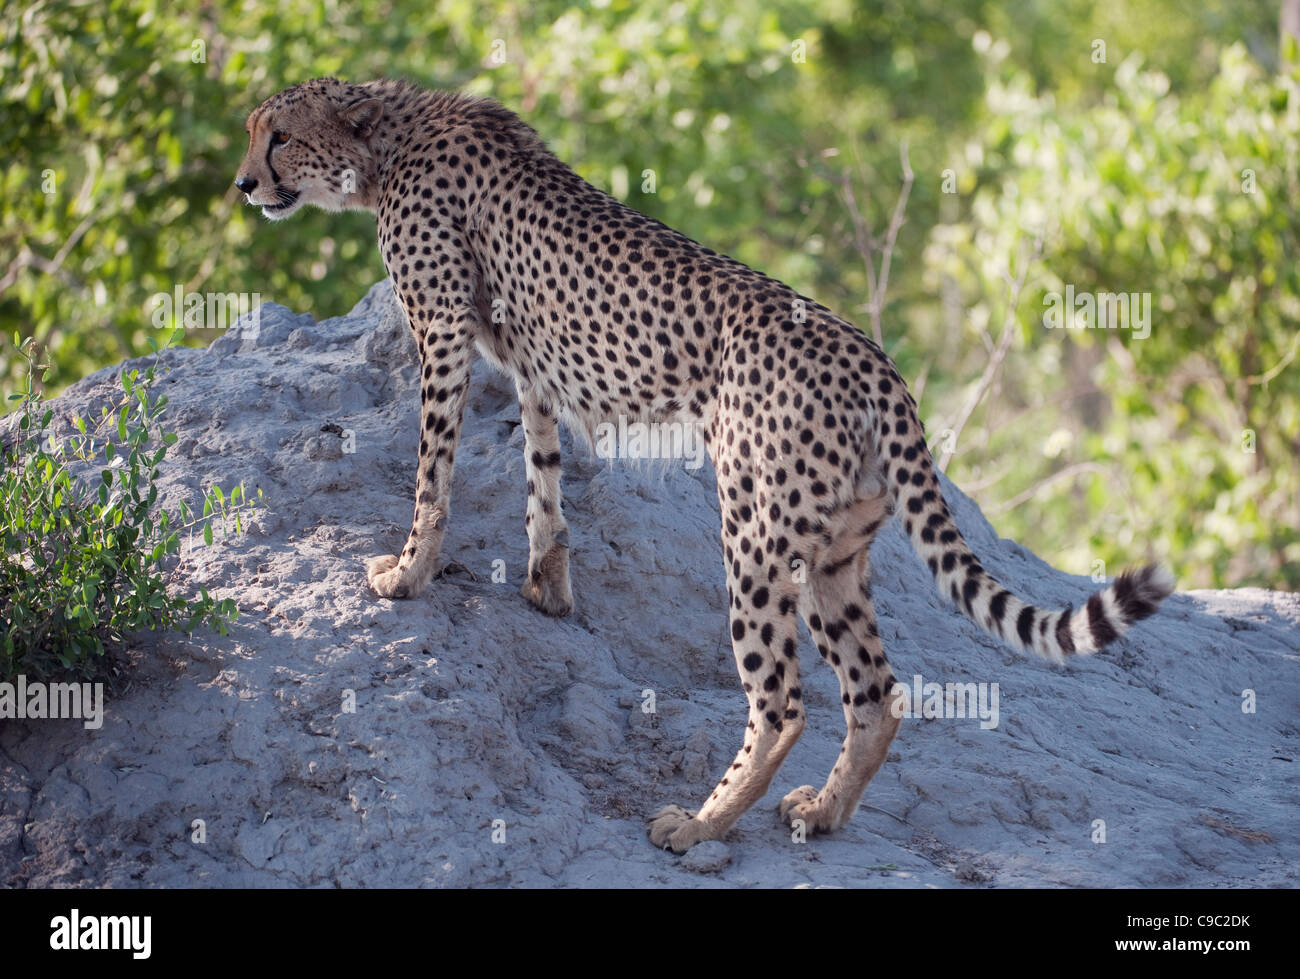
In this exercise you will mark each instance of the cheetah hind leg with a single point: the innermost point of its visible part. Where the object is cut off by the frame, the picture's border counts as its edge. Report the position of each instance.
(764, 635)
(842, 621)
(841, 618)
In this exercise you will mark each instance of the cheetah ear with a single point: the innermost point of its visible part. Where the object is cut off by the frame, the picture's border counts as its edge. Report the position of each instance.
(362, 116)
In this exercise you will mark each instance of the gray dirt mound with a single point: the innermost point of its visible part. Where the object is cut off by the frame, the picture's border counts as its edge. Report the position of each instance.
(492, 745)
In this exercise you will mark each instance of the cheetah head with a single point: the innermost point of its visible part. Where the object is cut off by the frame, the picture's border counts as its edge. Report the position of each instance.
(312, 144)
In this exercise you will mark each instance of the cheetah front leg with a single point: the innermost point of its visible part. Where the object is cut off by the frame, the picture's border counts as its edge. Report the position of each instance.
(547, 585)
(446, 351)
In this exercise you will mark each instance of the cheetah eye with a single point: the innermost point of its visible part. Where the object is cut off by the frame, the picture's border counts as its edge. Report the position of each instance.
(279, 138)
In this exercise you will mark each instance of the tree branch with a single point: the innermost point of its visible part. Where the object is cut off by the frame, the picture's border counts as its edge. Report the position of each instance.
(26, 258)
(1029, 494)
(999, 354)
(868, 245)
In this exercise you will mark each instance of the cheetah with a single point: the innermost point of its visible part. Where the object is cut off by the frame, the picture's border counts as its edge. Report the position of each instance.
(497, 248)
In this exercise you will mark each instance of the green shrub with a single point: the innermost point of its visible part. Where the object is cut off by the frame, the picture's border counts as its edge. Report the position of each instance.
(84, 542)
(1179, 446)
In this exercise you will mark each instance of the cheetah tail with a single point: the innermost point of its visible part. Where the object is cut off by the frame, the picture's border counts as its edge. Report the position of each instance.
(1051, 634)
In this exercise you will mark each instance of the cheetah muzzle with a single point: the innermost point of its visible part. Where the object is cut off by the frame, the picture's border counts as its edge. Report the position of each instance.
(498, 249)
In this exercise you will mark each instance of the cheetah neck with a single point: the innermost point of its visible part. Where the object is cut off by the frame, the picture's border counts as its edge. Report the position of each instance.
(414, 119)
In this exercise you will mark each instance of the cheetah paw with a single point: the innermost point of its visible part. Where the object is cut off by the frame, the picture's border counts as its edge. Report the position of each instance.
(673, 828)
(803, 804)
(387, 579)
(547, 586)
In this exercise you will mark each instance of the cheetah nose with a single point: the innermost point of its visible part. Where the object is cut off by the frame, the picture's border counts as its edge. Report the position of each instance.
(246, 184)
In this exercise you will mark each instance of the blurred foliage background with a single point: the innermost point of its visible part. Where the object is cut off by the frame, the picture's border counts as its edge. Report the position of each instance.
(1148, 146)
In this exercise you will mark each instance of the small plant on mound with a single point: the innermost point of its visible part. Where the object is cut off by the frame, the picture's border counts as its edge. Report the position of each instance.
(84, 550)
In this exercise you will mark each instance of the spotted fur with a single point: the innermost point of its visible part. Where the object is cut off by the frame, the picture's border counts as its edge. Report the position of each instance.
(498, 248)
